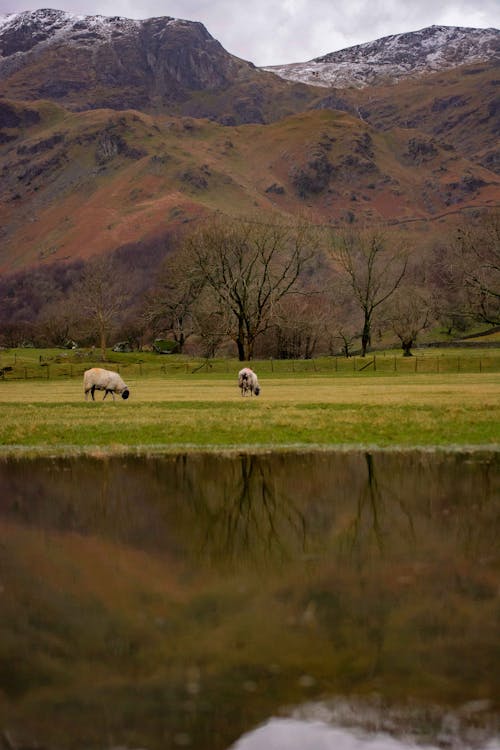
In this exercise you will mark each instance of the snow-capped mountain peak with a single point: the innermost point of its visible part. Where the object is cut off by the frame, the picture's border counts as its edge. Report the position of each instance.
(397, 56)
(26, 30)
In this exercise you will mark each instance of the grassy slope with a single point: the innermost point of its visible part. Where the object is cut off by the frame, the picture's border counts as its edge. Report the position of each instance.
(458, 107)
(174, 170)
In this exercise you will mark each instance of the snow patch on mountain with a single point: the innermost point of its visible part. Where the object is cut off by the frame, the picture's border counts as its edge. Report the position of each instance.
(397, 56)
(50, 23)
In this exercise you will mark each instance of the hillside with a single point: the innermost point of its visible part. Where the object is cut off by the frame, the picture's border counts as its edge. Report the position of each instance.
(76, 184)
(460, 107)
(116, 132)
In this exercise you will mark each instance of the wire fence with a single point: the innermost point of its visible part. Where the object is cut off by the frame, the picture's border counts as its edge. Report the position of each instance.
(58, 367)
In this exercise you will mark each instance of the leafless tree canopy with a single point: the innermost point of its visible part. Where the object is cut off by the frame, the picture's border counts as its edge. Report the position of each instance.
(479, 257)
(373, 266)
(170, 307)
(100, 298)
(409, 314)
(247, 269)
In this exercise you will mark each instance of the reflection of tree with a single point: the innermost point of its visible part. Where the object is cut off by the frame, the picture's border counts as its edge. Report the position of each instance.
(247, 514)
(371, 502)
(368, 509)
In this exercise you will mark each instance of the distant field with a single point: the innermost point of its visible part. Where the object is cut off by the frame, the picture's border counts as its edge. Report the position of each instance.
(36, 364)
(206, 411)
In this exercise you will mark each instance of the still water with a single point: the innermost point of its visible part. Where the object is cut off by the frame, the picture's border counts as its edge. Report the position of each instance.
(277, 601)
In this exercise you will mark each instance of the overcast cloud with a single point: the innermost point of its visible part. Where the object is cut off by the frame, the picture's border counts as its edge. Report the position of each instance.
(270, 32)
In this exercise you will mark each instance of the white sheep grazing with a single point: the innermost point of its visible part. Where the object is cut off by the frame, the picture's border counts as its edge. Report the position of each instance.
(248, 382)
(97, 379)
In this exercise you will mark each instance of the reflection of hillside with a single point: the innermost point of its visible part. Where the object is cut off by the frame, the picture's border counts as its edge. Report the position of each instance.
(223, 506)
(194, 596)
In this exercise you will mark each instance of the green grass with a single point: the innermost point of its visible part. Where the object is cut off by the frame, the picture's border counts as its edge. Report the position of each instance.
(206, 411)
(47, 364)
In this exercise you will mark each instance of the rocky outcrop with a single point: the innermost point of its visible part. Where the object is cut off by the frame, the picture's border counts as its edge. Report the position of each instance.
(97, 62)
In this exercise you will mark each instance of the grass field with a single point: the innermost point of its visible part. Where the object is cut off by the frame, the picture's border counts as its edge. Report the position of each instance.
(206, 411)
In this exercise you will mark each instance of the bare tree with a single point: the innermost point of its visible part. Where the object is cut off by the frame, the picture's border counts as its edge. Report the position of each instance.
(373, 266)
(169, 307)
(248, 268)
(448, 298)
(479, 254)
(301, 325)
(347, 336)
(409, 315)
(100, 297)
(57, 322)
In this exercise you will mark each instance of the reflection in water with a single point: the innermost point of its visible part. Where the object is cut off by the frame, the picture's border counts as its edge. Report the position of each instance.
(369, 504)
(291, 734)
(243, 512)
(174, 601)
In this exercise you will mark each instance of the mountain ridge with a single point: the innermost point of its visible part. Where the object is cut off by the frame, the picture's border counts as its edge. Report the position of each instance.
(132, 130)
(158, 64)
(397, 56)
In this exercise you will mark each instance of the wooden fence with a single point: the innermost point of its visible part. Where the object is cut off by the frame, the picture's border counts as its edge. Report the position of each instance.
(172, 367)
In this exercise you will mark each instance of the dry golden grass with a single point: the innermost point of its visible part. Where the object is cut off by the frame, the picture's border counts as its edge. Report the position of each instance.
(208, 412)
(435, 389)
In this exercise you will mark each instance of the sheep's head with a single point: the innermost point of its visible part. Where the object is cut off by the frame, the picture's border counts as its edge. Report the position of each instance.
(256, 390)
(125, 393)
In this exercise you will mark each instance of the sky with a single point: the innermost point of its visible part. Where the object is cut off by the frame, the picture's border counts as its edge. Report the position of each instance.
(273, 32)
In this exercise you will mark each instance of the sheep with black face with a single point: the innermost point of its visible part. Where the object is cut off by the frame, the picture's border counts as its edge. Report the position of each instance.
(248, 382)
(98, 379)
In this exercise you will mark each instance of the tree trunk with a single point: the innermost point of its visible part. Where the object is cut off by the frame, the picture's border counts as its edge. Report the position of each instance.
(365, 338)
(250, 343)
(103, 343)
(241, 350)
(406, 345)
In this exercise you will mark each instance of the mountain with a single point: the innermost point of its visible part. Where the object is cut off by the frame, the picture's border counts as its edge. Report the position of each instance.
(156, 65)
(459, 107)
(395, 57)
(115, 133)
(81, 183)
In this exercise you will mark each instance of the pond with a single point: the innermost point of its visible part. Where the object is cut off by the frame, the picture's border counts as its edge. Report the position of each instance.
(341, 600)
